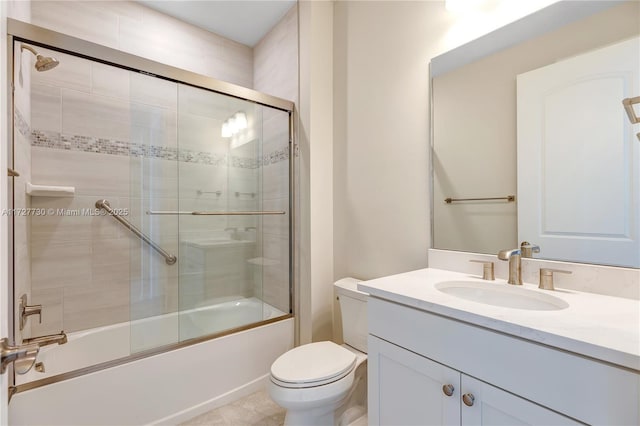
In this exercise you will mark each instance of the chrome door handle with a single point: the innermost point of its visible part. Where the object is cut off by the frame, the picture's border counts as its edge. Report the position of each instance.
(9, 354)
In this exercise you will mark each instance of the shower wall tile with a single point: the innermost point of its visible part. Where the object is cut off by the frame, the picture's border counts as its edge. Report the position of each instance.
(47, 108)
(154, 126)
(200, 133)
(110, 260)
(275, 180)
(60, 265)
(152, 297)
(94, 115)
(109, 81)
(62, 224)
(167, 40)
(72, 72)
(52, 301)
(99, 175)
(277, 225)
(154, 178)
(96, 306)
(154, 91)
(275, 59)
(78, 19)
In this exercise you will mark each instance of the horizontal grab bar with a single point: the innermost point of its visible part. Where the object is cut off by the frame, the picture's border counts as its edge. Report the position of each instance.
(168, 257)
(205, 213)
(508, 199)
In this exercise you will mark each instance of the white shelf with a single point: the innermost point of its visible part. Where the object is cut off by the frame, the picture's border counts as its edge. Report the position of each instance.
(49, 190)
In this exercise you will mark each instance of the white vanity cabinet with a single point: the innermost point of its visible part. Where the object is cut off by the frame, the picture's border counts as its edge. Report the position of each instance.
(409, 389)
(413, 353)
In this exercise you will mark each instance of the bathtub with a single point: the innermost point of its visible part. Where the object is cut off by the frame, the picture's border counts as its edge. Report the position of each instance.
(165, 388)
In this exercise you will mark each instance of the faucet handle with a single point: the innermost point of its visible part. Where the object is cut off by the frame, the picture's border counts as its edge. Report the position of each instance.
(487, 269)
(527, 249)
(546, 277)
(28, 310)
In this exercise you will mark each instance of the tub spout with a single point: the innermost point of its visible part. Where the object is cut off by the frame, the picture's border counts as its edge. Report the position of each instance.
(49, 339)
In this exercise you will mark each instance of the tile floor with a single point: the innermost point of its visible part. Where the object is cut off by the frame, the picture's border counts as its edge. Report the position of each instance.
(256, 409)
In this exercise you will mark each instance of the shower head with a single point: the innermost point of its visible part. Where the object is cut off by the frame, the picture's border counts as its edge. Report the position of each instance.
(43, 63)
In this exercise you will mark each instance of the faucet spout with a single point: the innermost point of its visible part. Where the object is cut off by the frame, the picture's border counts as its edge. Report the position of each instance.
(515, 265)
(49, 339)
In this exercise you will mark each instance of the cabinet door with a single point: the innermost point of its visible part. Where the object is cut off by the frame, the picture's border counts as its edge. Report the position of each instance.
(407, 389)
(493, 406)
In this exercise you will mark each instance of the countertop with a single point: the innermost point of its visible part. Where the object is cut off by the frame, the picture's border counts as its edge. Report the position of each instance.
(602, 327)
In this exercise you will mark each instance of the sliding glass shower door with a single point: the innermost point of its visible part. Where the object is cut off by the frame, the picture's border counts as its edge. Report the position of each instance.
(210, 186)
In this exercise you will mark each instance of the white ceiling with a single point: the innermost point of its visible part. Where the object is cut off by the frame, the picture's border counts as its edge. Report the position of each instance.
(245, 21)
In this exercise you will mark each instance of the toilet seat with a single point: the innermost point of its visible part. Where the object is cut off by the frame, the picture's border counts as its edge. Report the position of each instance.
(313, 364)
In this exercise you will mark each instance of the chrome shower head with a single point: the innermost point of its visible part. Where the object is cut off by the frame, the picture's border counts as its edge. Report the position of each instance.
(43, 63)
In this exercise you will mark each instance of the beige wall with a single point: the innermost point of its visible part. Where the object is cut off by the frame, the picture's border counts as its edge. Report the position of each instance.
(381, 169)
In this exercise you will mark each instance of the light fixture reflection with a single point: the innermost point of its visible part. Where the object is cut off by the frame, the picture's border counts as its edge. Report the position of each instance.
(234, 124)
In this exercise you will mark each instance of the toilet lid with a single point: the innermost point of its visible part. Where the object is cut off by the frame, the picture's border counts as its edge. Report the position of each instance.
(313, 364)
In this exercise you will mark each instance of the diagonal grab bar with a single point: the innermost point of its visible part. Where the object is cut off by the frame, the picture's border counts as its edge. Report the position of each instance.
(168, 257)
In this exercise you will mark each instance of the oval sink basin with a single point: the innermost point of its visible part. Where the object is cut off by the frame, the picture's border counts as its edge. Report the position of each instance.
(503, 295)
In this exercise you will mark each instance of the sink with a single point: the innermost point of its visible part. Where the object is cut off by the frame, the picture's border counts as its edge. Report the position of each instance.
(504, 295)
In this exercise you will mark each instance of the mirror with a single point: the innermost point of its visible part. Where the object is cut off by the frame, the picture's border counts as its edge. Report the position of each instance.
(527, 112)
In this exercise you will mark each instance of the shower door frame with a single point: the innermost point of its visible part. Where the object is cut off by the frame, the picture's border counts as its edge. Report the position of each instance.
(18, 31)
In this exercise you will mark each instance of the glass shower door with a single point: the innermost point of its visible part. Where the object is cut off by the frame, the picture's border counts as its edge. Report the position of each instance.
(209, 185)
(154, 187)
(219, 147)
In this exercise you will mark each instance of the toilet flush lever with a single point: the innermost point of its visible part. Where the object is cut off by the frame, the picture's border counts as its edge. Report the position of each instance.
(487, 269)
(27, 310)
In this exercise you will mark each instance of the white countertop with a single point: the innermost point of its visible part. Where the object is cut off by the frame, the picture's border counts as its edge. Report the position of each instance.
(602, 327)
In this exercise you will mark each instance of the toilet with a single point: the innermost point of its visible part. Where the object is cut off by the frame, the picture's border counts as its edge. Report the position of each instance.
(324, 383)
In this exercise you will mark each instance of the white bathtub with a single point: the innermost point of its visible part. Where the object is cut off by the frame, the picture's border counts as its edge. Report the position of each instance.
(164, 388)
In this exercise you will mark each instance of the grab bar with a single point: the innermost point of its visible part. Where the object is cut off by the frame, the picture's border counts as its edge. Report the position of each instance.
(205, 213)
(104, 204)
(508, 199)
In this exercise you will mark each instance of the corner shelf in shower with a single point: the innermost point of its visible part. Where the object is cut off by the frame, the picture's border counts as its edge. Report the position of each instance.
(49, 190)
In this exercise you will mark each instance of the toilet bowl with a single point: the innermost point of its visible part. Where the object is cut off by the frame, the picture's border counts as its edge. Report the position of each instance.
(323, 383)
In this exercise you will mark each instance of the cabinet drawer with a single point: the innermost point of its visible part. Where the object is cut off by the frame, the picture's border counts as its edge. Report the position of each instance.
(585, 389)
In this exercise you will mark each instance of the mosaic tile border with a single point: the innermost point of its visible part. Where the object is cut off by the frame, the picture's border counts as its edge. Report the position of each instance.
(20, 123)
(55, 140)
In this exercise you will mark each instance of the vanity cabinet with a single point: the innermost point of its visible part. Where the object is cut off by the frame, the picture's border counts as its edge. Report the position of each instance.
(413, 353)
(409, 389)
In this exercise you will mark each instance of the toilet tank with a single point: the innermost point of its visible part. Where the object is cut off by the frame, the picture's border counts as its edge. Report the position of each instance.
(353, 308)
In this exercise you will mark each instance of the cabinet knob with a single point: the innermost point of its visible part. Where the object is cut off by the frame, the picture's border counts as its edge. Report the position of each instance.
(448, 389)
(468, 399)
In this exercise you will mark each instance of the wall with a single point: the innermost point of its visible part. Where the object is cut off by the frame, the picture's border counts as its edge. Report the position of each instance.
(381, 169)
(315, 138)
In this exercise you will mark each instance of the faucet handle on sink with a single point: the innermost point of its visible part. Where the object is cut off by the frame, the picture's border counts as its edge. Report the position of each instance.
(487, 269)
(546, 277)
(527, 249)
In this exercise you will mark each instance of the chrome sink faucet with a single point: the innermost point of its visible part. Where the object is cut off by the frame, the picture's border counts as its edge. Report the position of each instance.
(515, 265)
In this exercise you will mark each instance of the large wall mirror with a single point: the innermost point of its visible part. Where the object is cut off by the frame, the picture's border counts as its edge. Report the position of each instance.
(531, 141)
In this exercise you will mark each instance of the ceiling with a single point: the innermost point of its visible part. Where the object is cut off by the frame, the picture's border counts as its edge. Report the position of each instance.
(244, 21)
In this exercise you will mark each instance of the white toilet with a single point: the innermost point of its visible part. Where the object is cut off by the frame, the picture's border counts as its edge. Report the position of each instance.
(324, 383)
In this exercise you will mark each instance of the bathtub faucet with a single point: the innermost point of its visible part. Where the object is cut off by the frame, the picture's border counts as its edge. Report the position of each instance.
(49, 339)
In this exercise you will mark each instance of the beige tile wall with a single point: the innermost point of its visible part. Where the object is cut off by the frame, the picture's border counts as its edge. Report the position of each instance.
(136, 29)
(276, 72)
